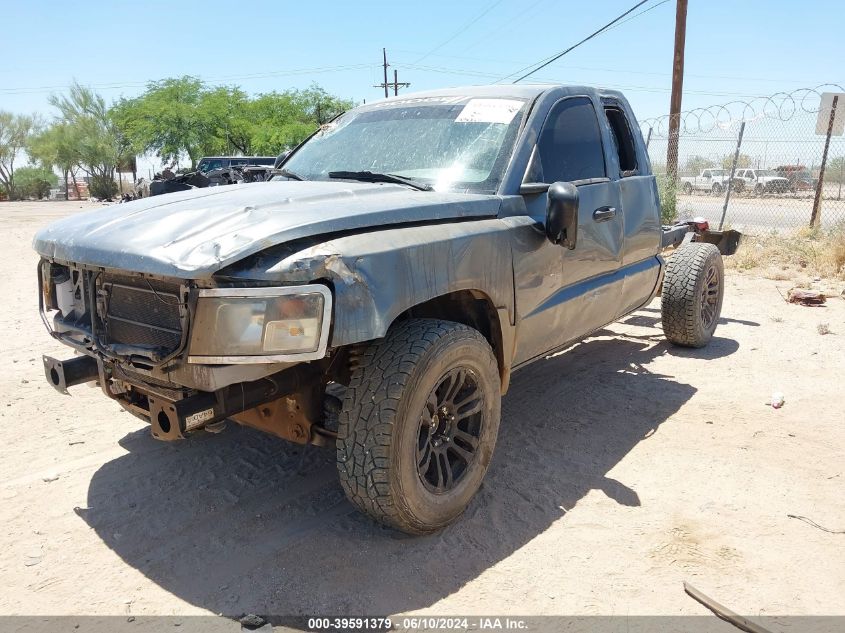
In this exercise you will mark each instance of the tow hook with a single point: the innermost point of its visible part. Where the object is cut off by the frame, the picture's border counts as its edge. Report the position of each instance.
(67, 373)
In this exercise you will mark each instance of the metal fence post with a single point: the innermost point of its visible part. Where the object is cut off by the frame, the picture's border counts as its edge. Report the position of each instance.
(817, 203)
(733, 171)
(648, 138)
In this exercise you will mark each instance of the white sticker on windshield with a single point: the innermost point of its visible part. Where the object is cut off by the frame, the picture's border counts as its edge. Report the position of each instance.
(489, 111)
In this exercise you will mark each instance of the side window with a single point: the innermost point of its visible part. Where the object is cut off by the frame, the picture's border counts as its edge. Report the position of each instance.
(570, 145)
(705, 173)
(623, 139)
(207, 165)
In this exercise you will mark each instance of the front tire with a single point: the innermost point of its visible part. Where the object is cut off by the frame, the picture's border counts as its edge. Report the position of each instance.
(693, 289)
(419, 423)
(716, 189)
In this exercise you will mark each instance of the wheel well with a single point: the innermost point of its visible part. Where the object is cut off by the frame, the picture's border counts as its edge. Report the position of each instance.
(469, 307)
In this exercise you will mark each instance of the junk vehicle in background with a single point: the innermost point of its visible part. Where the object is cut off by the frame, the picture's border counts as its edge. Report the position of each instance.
(760, 181)
(213, 171)
(799, 177)
(210, 163)
(710, 180)
(378, 293)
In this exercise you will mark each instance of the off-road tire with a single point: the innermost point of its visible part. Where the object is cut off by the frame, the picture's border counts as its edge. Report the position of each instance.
(687, 188)
(380, 423)
(716, 189)
(687, 287)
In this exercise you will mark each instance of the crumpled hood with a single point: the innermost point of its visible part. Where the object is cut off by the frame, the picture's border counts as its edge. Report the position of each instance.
(193, 234)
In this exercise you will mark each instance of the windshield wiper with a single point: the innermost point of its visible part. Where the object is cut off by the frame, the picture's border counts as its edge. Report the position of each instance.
(288, 174)
(369, 176)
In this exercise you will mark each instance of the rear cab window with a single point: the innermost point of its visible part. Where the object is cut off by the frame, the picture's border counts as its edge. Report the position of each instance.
(623, 139)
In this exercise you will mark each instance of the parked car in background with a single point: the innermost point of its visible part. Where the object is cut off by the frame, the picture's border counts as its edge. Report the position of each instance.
(208, 163)
(711, 180)
(799, 177)
(760, 181)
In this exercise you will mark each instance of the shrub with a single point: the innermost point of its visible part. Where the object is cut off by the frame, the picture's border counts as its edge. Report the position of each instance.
(34, 182)
(667, 189)
(102, 187)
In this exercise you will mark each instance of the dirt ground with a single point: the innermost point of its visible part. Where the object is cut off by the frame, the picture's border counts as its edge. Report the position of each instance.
(623, 467)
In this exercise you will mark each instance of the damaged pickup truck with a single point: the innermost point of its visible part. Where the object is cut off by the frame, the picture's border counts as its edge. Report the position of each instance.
(377, 294)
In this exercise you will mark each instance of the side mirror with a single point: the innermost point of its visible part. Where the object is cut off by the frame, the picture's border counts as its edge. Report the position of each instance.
(562, 214)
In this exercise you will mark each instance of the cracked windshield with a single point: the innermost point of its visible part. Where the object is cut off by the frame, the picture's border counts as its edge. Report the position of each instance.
(462, 144)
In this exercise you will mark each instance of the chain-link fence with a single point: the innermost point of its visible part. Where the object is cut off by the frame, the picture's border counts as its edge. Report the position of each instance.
(767, 179)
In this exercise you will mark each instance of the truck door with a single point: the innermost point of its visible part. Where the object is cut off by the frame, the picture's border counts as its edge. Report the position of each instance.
(563, 294)
(639, 209)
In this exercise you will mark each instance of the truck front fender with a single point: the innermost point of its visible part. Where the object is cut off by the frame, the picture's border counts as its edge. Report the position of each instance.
(378, 274)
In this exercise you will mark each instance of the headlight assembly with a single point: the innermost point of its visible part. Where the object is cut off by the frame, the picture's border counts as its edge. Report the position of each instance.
(260, 325)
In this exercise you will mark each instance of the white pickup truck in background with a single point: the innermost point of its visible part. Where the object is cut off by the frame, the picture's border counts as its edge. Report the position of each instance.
(760, 181)
(711, 180)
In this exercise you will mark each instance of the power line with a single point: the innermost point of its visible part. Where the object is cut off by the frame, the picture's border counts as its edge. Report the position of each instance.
(548, 61)
(623, 71)
(523, 14)
(656, 89)
(636, 15)
(460, 30)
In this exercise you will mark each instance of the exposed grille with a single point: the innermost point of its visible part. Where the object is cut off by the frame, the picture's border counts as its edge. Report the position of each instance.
(142, 314)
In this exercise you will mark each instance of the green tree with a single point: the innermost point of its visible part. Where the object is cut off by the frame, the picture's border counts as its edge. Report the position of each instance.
(34, 182)
(15, 131)
(835, 170)
(283, 120)
(167, 119)
(225, 116)
(98, 140)
(182, 116)
(744, 160)
(695, 164)
(57, 146)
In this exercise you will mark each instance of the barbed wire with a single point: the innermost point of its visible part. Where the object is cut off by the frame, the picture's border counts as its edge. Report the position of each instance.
(780, 106)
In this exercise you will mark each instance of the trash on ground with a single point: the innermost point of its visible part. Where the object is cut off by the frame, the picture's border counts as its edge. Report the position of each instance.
(777, 400)
(723, 612)
(805, 297)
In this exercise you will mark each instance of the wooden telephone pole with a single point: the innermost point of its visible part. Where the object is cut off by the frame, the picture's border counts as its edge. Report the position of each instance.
(677, 89)
(396, 84)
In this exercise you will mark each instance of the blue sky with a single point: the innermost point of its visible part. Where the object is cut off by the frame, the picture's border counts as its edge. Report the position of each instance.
(735, 48)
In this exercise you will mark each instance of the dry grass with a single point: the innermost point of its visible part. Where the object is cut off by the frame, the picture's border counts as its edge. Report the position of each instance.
(806, 252)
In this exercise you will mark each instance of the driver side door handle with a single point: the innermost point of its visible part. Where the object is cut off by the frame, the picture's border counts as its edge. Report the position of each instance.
(603, 214)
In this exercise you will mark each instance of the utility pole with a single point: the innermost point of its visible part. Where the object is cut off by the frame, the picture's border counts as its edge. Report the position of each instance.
(384, 52)
(395, 83)
(677, 89)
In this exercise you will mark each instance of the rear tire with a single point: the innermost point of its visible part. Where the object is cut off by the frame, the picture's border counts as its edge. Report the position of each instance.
(693, 289)
(687, 189)
(716, 189)
(418, 424)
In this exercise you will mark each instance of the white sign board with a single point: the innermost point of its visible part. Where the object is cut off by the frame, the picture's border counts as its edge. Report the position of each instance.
(824, 114)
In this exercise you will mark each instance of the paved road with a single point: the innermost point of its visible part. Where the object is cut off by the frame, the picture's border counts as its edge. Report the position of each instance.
(762, 214)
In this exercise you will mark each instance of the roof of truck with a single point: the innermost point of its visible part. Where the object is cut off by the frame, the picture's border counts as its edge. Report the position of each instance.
(520, 91)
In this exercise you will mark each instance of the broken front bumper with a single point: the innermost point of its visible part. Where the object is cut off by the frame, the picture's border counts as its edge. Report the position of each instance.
(173, 413)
